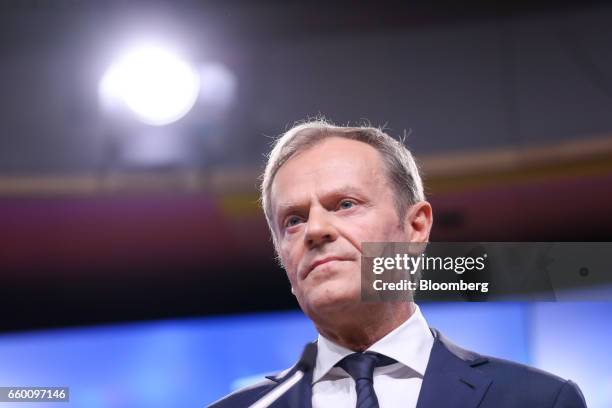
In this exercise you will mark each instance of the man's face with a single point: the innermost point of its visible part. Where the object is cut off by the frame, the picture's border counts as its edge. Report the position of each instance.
(327, 201)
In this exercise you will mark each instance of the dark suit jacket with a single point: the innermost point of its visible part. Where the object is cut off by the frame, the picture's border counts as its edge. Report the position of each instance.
(454, 378)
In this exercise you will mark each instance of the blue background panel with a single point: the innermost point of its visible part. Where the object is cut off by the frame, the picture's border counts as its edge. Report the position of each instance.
(192, 362)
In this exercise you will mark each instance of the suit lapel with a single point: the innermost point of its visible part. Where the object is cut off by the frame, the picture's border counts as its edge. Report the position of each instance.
(450, 381)
(298, 396)
(450, 378)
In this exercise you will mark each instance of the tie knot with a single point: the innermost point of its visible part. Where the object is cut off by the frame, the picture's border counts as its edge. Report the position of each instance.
(361, 366)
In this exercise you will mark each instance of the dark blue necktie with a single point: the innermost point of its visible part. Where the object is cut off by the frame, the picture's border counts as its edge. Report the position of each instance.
(361, 366)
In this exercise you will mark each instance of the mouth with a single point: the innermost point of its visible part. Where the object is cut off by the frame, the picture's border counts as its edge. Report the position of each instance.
(321, 261)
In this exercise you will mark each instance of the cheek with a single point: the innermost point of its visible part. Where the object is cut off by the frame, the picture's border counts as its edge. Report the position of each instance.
(364, 229)
(376, 227)
(290, 260)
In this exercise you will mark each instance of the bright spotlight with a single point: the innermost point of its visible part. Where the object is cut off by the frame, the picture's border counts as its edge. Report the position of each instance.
(156, 85)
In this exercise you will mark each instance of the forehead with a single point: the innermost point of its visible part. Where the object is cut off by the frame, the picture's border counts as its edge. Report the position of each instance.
(334, 163)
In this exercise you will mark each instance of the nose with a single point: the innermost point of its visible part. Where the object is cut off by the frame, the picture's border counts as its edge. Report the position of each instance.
(320, 228)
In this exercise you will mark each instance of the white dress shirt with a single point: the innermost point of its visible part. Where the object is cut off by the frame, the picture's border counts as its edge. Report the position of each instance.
(396, 385)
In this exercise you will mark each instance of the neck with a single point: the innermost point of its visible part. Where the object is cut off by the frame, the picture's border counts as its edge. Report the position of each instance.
(358, 330)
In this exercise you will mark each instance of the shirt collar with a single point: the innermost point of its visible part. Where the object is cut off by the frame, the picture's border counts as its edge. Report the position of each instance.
(410, 344)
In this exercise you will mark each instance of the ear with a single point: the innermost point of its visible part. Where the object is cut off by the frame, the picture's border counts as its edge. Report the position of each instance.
(418, 221)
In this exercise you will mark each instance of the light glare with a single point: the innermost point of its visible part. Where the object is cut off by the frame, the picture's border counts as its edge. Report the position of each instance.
(157, 86)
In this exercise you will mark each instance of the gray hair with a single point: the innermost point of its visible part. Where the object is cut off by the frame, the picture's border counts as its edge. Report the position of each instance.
(400, 165)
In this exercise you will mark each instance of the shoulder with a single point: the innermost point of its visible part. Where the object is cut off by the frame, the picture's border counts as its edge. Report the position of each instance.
(247, 396)
(244, 396)
(529, 384)
(520, 383)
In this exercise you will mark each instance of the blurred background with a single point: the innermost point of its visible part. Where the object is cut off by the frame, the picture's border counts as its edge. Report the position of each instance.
(136, 265)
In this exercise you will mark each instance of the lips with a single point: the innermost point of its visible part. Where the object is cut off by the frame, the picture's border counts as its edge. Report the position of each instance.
(322, 261)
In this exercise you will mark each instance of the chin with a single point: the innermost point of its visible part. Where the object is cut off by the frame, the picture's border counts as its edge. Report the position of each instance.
(330, 296)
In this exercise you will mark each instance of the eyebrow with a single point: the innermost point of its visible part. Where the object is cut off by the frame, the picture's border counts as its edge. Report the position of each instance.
(346, 190)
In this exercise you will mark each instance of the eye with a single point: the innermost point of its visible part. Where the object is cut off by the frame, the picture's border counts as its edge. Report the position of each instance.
(292, 221)
(346, 204)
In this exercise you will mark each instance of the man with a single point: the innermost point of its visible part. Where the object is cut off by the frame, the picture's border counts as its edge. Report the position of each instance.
(325, 191)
